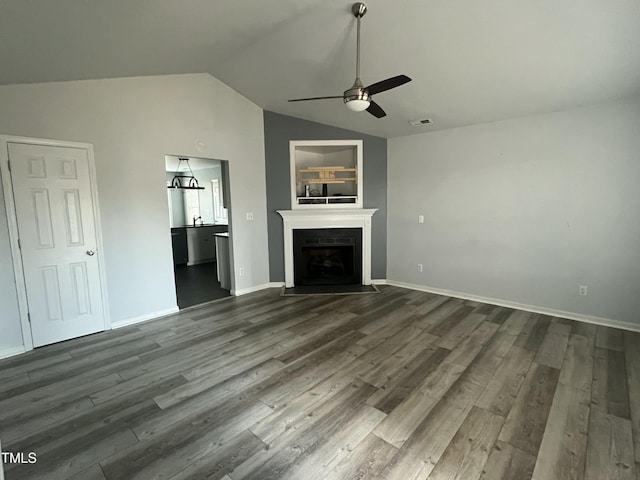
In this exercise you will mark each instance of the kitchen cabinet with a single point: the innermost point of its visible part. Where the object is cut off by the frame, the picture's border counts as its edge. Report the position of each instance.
(201, 243)
(223, 265)
(179, 246)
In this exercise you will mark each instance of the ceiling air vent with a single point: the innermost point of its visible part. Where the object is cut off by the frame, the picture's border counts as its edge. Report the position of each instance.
(417, 123)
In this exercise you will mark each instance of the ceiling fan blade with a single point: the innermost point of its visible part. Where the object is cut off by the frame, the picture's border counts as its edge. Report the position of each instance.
(376, 110)
(387, 84)
(313, 98)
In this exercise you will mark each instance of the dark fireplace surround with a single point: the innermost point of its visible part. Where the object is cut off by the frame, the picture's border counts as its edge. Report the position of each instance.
(327, 256)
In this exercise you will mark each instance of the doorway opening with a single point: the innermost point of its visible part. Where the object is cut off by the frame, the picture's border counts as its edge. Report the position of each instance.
(199, 222)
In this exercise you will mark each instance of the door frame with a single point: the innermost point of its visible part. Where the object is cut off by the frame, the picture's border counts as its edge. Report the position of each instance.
(12, 221)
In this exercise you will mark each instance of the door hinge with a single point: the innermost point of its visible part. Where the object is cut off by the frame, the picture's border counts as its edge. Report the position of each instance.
(19, 244)
(9, 164)
(29, 317)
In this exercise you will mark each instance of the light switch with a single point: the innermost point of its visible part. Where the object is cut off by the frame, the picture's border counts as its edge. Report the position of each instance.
(420, 218)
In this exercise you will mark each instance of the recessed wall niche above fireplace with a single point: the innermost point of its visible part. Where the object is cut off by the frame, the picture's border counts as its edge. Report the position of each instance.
(326, 173)
(327, 256)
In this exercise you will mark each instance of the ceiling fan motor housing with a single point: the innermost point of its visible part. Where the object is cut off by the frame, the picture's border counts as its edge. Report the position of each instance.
(357, 93)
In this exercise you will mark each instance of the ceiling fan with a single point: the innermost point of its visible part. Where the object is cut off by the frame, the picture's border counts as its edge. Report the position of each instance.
(358, 97)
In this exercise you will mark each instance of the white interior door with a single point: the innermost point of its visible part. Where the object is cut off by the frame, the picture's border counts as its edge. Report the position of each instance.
(58, 243)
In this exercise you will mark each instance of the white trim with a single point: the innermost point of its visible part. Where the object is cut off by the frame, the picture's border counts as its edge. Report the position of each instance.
(255, 288)
(380, 281)
(98, 229)
(13, 225)
(605, 322)
(10, 352)
(305, 219)
(16, 257)
(143, 318)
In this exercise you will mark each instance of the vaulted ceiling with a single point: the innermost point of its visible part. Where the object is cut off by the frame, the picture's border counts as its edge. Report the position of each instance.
(470, 61)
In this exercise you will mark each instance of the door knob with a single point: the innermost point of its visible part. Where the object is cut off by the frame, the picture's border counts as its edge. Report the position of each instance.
(91, 253)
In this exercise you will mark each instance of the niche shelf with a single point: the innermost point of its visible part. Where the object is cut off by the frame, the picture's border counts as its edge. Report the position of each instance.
(326, 173)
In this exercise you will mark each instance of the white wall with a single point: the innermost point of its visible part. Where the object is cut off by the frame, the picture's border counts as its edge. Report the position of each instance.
(524, 210)
(133, 123)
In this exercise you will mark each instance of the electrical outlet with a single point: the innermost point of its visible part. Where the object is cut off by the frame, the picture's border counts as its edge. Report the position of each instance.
(420, 267)
(241, 271)
(583, 290)
(250, 216)
(420, 218)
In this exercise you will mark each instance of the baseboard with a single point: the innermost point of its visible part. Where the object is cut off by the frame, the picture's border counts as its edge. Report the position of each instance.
(144, 318)
(380, 281)
(256, 288)
(605, 322)
(10, 352)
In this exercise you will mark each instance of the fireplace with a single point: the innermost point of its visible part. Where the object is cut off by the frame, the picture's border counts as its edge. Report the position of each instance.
(329, 219)
(327, 256)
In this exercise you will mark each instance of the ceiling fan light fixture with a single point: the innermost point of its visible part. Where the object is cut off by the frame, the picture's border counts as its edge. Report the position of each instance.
(357, 98)
(357, 105)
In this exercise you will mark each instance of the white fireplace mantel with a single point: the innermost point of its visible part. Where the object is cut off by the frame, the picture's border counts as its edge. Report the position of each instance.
(327, 218)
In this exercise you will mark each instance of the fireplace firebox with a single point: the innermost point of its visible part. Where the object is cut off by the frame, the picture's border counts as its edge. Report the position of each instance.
(327, 256)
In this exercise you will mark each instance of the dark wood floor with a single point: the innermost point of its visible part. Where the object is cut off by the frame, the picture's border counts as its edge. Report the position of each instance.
(398, 385)
(198, 284)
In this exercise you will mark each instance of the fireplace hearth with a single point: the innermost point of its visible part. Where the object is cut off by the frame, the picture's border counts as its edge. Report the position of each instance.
(327, 256)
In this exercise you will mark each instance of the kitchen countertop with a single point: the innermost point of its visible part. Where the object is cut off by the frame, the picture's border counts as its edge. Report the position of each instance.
(204, 225)
(219, 227)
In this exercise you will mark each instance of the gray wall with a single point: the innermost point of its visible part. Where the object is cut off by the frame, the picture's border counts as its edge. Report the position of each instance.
(278, 130)
(524, 210)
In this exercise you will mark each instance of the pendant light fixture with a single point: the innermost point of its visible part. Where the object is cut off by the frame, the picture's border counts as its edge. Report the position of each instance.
(185, 182)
